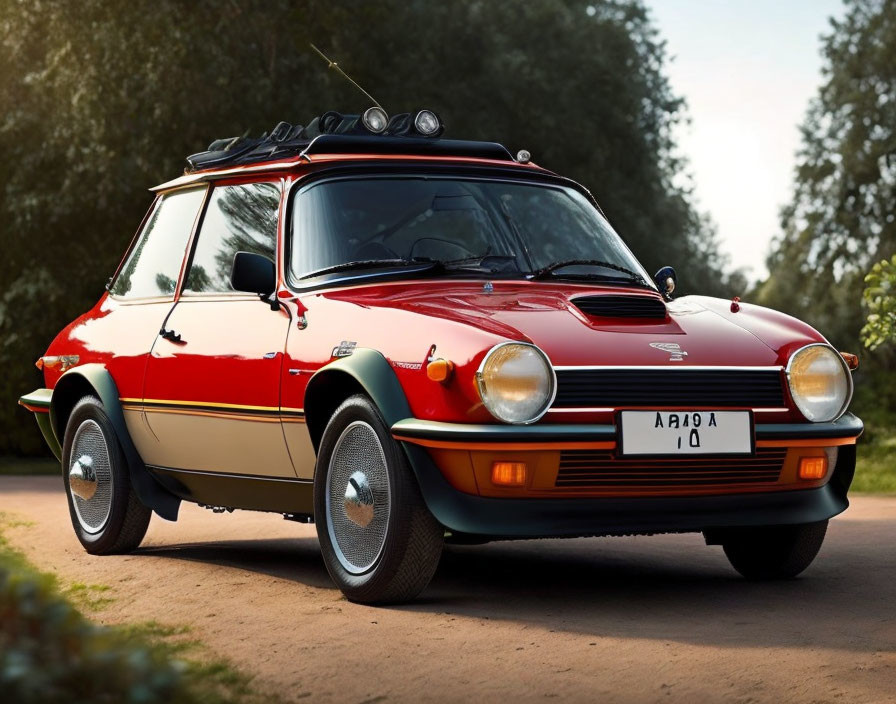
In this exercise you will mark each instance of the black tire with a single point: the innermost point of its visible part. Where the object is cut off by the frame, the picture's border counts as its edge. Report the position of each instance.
(126, 519)
(392, 542)
(774, 552)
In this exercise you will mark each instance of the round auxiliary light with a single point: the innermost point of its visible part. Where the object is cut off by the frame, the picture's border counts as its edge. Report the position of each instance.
(516, 382)
(820, 383)
(375, 120)
(427, 123)
(523, 156)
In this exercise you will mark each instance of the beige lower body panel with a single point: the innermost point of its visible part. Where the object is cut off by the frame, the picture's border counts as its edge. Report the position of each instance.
(208, 443)
(298, 440)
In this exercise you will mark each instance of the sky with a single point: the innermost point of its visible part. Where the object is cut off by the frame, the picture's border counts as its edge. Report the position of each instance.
(747, 69)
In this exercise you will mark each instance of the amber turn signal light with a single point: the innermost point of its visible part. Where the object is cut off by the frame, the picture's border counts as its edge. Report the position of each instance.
(509, 473)
(440, 370)
(852, 360)
(813, 467)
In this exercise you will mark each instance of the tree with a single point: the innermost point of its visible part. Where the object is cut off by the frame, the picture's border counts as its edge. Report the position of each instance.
(842, 216)
(880, 299)
(104, 100)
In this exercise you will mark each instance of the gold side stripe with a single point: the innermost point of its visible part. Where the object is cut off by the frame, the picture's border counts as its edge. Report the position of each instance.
(235, 406)
(166, 402)
(215, 414)
(271, 414)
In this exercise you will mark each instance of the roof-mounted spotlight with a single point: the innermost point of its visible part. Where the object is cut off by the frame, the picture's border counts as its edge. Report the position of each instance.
(428, 123)
(375, 120)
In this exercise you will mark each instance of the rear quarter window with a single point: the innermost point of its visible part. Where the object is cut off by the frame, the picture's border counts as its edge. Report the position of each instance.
(153, 265)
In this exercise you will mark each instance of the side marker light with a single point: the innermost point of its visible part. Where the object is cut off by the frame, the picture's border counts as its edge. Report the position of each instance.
(852, 360)
(440, 370)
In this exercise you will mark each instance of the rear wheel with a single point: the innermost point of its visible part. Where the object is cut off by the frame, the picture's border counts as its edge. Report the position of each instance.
(774, 552)
(106, 514)
(379, 541)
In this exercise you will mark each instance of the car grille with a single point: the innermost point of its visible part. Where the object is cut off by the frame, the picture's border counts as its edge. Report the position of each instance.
(675, 388)
(597, 469)
(621, 306)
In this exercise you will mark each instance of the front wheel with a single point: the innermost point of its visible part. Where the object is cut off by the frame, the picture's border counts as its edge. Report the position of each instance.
(379, 541)
(106, 514)
(774, 552)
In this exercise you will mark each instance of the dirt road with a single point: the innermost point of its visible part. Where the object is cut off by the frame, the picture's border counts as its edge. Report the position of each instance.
(637, 619)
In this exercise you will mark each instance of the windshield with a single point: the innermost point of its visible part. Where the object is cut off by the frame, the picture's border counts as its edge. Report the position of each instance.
(503, 228)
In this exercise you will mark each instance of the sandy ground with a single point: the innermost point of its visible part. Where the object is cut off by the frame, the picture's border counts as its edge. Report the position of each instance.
(639, 619)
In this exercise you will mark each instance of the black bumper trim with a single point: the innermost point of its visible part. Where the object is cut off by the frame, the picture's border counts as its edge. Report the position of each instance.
(571, 517)
(464, 432)
(848, 426)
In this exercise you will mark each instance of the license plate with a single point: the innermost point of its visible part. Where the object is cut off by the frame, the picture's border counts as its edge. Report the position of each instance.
(686, 432)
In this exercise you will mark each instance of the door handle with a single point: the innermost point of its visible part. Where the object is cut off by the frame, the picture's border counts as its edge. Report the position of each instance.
(172, 336)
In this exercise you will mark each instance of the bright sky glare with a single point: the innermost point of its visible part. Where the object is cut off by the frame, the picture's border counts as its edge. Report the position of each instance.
(747, 69)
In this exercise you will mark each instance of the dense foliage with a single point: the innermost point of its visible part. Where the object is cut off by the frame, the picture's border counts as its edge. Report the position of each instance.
(880, 300)
(50, 653)
(104, 100)
(842, 217)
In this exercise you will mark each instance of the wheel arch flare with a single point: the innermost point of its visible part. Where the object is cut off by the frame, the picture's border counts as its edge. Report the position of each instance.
(95, 379)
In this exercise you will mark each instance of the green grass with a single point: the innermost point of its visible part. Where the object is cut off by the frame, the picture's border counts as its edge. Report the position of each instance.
(876, 467)
(49, 652)
(28, 465)
(88, 597)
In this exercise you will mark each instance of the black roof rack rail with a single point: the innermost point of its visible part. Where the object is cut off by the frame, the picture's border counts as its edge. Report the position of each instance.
(335, 133)
(351, 144)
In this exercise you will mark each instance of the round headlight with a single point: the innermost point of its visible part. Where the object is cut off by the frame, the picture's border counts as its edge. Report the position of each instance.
(427, 123)
(375, 119)
(516, 382)
(820, 382)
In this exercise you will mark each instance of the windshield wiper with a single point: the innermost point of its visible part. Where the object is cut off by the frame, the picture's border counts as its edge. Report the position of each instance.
(549, 270)
(423, 263)
(492, 263)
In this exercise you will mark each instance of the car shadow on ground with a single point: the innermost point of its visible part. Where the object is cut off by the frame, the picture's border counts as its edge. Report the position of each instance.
(665, 587)
(294, 559)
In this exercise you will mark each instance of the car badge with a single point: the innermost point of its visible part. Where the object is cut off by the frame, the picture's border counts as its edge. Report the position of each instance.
(344, 349)
(676, 354)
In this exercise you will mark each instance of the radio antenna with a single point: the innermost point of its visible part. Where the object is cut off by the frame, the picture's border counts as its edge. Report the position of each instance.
(333, 64)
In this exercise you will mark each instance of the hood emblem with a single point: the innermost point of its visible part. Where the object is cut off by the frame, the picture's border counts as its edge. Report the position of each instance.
(676, 354)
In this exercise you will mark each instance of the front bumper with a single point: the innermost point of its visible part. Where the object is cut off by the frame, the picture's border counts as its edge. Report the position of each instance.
(523, 517)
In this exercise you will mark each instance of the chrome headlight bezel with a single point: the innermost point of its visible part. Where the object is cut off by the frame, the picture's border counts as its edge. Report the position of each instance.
(799, 403)
(550, 377)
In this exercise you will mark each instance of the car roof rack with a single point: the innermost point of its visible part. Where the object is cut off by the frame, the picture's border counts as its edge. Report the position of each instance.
(334, 133)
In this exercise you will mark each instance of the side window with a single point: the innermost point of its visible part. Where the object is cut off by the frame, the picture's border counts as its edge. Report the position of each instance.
(238, 219)
(153, 265)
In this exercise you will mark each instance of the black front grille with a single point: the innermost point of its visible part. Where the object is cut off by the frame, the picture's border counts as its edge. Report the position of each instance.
(597, 469)
(621, 306)
(676, 388)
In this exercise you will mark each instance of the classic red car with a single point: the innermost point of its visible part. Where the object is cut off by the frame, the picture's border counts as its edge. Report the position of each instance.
(409, 339)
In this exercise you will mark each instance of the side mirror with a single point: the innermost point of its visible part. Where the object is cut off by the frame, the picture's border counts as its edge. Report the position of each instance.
(665, 280)
(253, 273)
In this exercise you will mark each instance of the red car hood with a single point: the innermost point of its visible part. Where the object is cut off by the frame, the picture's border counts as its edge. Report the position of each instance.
(466, 319)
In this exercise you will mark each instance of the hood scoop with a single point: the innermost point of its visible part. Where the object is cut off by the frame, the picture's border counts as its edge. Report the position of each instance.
(643, 307)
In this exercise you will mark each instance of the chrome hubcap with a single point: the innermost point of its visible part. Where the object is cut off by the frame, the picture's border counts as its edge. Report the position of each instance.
(82, 478)
(358, 498)
(90, 477)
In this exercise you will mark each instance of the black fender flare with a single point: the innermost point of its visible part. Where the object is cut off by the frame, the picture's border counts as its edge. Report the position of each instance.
(96, 378)
(365, 370)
